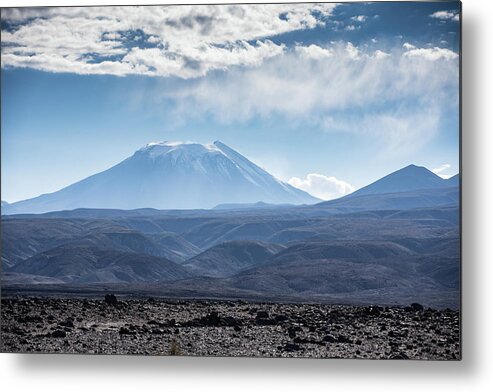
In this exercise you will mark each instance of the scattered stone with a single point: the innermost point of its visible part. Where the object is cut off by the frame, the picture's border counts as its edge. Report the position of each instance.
(211, 328)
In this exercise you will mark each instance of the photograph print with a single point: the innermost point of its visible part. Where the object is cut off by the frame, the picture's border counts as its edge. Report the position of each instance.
(245, 180)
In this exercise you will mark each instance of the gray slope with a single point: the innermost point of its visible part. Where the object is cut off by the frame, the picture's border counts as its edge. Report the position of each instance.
(231, 257)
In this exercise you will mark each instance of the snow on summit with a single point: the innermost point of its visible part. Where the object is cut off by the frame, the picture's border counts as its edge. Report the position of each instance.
(155, 149)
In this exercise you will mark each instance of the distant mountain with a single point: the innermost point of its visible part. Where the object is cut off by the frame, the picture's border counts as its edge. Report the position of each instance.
(423, 198)
(231, 257)
(84, 264)
(171, 175)
(410, 187)
(454, 180)
(409, 178)
(246, 206)
(3, 203)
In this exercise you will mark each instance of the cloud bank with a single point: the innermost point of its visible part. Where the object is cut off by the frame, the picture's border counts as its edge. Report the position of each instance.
(182, 41)
(223, 63)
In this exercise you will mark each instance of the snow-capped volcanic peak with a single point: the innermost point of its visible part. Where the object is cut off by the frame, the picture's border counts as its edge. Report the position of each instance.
(170, 175)
(193, 150)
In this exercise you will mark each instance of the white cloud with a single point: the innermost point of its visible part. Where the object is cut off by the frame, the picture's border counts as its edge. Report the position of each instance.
(432, 54)
(352, 51)
(446, 15)
(378, 54)
(313, 51)
(205, 57)
(323, 187)
(394, 98)
(188, 41)
(153, 39)
(441, 169)
(408, 46)
(359, 18)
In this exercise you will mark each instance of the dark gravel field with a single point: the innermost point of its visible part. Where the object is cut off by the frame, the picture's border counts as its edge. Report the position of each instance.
(152, 326)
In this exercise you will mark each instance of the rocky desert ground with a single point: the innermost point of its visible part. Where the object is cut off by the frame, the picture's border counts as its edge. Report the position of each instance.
(153, 326)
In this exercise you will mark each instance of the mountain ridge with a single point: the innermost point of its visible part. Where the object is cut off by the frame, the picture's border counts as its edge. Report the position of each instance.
(170, 175)
(408, 178)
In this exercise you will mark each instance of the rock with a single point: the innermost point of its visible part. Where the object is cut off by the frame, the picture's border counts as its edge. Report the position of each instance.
(30, 319)
(18, 331)
(59, 334)
(171, 322)
(400, 355)
(299, 340)
(290, 347)
(261, 314)
(280, 318)
(373, 310)
(343, 339)
(329, 338)
(211, 320)
(125, 331)
(230, 321)
(417, 307)
(67, 323)
(110, 299)
(265, 321)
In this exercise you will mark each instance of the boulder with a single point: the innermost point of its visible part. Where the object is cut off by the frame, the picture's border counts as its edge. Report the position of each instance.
(59, 334)
(110, 299)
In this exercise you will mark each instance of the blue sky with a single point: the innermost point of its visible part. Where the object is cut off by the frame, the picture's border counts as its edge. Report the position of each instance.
(328, 97)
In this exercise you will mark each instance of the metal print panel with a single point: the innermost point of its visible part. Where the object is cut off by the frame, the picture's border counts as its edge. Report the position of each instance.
(269, 180)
